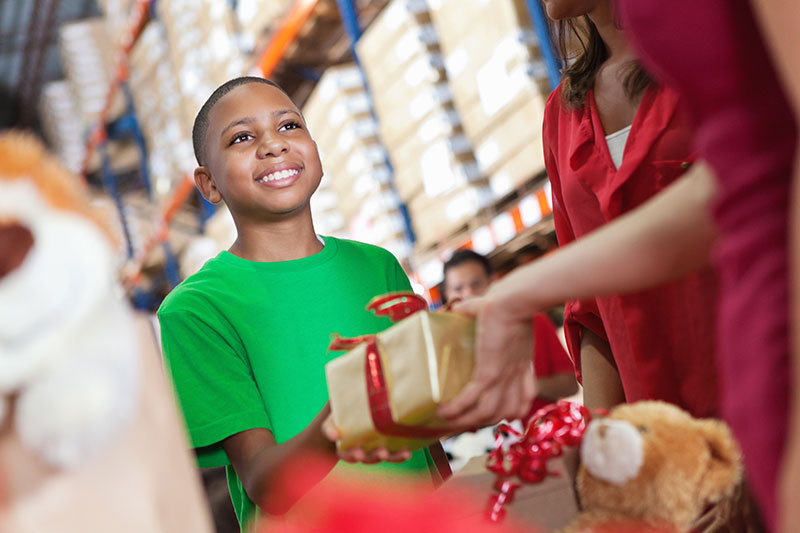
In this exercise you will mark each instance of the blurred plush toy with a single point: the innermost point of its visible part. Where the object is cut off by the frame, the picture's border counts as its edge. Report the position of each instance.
(67, 343)
(652, 464)
(81, 391)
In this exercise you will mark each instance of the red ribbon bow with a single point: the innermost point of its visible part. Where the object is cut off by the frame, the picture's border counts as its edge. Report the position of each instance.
(551, 428)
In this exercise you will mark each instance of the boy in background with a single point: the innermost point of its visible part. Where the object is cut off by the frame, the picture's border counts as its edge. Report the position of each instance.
(245, 338)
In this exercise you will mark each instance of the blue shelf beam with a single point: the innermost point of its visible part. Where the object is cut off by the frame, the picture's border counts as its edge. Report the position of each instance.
(551, 62)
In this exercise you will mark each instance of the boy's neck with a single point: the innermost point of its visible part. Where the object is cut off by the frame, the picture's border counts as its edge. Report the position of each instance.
(279, 240)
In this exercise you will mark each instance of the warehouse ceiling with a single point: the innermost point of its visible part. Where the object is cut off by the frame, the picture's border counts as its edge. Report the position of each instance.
(29, 53)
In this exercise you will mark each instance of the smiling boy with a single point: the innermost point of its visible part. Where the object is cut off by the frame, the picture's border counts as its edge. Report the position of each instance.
(245, 339)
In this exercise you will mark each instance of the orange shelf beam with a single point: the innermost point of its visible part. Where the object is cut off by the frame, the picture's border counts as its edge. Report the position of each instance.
(301, 11)
(97, 136)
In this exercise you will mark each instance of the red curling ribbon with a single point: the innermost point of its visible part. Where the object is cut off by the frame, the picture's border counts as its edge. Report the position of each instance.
(339, 343)
(551, 428)
(397, 305)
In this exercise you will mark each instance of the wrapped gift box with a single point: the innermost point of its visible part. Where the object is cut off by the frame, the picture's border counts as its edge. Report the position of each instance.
(426, 359)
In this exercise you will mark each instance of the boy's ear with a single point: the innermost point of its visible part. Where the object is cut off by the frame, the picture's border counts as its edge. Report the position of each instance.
(206, 184)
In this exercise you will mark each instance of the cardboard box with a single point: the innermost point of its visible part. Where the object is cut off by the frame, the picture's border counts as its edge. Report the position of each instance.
(434, 167)
(454, 19)
(388, 226)
(384, 69)
(471, 56)
(357, 136)
(254, 18)
(435, 219)
(519, 128)
(522, 166)
(61, 124)
(399, 121)
(549, 505)
(400, 31)
(424, 71)
(365, 188)
(338, 81)
(87, 56)
(335, 81)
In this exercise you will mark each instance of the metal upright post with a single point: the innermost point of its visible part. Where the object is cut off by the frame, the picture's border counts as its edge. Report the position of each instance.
(349, 14)
(110, 183)
(545, 44)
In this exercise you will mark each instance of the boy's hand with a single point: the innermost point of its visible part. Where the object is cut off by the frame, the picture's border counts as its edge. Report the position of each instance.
(358, 455)
(502, 384)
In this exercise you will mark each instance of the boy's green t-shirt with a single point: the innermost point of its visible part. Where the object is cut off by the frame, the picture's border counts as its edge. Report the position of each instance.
(246, 343)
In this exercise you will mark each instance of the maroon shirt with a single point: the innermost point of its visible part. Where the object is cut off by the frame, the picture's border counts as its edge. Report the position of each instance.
(712, 53)
(662, 339)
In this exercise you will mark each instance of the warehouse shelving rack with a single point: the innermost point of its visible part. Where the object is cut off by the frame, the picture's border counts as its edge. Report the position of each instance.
(494, 227)
(100, 132)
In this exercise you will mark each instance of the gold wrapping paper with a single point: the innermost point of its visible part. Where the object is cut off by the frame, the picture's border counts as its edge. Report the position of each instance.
(427, 359)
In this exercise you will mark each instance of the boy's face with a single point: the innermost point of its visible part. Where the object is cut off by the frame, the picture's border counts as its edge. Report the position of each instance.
(466, 280)
(260, 157)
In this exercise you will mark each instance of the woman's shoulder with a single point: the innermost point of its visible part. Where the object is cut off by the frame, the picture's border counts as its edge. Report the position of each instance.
(556, 109)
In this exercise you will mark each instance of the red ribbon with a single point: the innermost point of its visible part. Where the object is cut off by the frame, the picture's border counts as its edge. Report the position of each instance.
(396, 306)
(551, 428)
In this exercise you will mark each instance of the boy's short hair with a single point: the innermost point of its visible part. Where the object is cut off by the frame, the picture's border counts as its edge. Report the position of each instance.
(200, 126)
(465, 255)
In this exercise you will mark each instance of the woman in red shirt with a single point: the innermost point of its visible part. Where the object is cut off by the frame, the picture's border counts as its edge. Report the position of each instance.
(613, 139)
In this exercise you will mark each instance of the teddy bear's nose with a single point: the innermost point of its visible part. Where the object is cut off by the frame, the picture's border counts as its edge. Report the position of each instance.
(16, 241)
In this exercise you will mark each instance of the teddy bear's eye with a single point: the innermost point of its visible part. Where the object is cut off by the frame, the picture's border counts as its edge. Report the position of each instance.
(642, 429)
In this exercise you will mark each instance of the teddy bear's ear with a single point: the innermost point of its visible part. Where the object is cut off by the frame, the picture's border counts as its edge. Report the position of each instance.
(725, 468)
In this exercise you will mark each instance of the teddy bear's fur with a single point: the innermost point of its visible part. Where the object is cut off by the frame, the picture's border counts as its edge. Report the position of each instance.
(652, 466)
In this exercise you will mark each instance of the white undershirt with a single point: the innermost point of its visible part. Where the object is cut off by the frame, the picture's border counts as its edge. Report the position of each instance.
(616, 144)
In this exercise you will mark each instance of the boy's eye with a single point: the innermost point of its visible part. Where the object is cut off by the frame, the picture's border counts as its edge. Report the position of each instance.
(292, 125)
(241, 137)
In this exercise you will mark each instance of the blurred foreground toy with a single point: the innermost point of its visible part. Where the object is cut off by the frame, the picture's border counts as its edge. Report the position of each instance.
(650, 466)
(81, 390)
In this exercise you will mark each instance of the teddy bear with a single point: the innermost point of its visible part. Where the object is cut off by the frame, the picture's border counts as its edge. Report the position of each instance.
(650, 466)
(90, 438)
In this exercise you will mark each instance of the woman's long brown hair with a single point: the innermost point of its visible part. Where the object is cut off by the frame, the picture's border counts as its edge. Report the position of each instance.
(582, 51)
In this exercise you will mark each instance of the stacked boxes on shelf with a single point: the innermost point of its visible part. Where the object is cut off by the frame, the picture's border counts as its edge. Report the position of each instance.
(254, 18)
(357, 184)
(435, 169)
(157, 101)
(202, 48)
(87, 55)
(117, 16)
(499, 84)
(61, 123)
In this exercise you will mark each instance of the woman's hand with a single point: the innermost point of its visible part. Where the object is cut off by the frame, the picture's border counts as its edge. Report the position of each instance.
(503, 384)
(358, 455)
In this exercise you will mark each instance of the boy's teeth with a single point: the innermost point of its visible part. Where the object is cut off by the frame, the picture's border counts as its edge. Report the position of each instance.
(280, 174)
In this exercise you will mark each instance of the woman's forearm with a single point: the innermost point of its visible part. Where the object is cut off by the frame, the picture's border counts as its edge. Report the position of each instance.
(669, 236)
